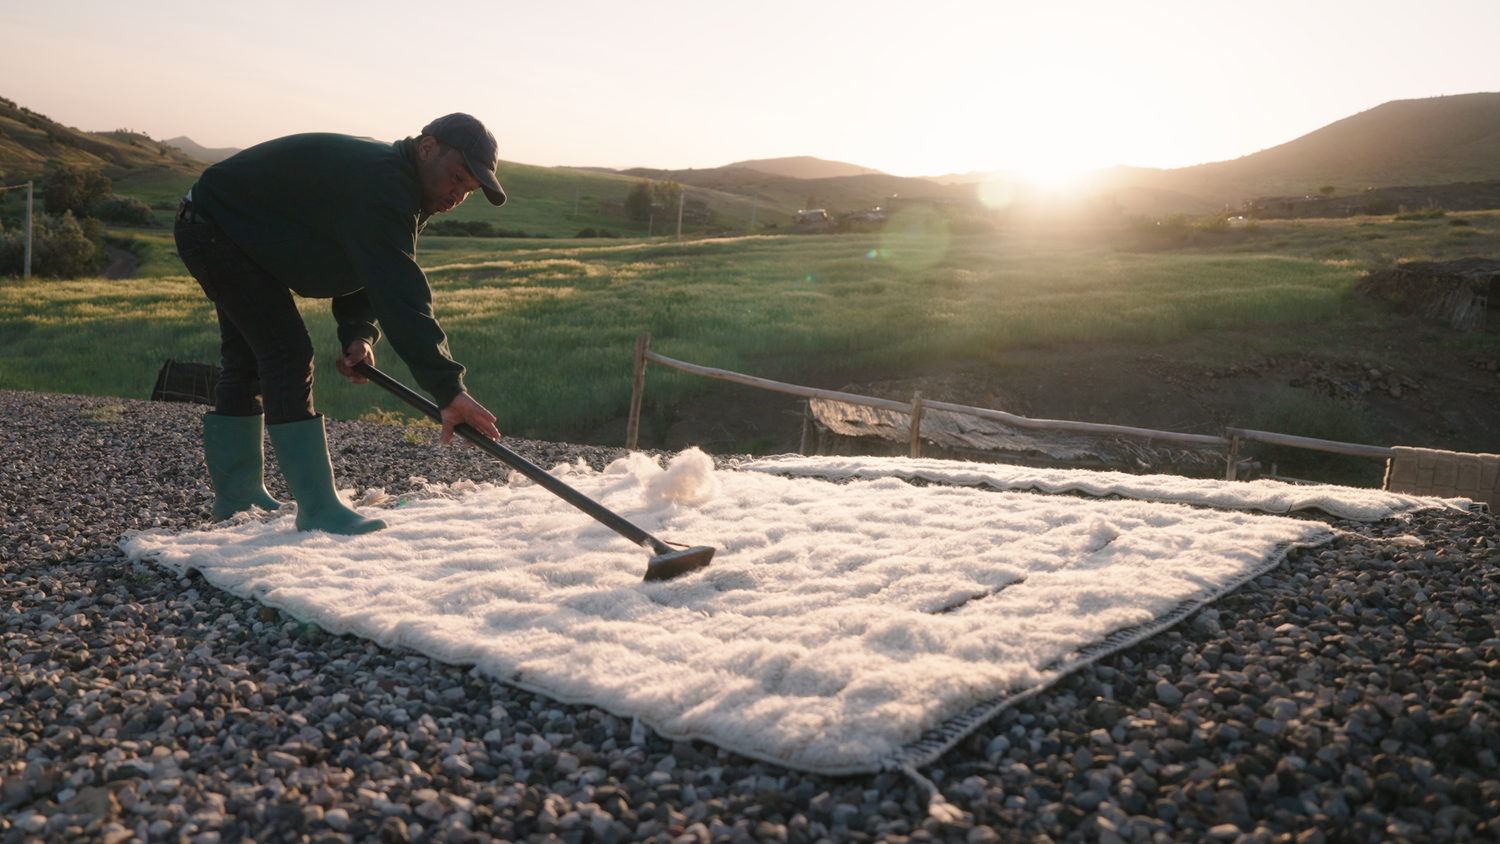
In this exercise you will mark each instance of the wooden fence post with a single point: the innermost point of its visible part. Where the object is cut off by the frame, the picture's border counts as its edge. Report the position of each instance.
(1234, 455)
(916, 424)
(637, 390)
(806, 420)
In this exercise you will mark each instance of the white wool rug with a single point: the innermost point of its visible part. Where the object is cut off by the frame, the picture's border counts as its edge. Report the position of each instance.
(1365, 505)
(842, 627)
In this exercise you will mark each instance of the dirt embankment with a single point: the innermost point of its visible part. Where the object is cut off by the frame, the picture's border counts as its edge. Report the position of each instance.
(122, 263)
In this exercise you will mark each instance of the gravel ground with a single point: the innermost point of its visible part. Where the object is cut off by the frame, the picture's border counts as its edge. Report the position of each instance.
(1349, 695)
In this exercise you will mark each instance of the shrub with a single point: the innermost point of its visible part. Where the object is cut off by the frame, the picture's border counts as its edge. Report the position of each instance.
(61, 247)
(1376, 207)
(124, 210)
(1459, 221)
(1431, 212)
(470, 228)
(75, 189)
(1328, 190)
(1172, 225)
(459, 228)
(395, 417)
(1215, 223)
(1302, 413)
(590, 231)
(1177, 224)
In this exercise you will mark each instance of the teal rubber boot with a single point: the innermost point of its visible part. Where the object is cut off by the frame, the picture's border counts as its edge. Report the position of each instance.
(236, 464)
(302, 451)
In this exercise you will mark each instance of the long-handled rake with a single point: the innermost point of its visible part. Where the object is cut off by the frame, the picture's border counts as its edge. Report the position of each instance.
(668, 562)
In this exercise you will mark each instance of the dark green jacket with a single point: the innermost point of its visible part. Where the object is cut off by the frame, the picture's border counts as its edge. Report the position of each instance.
(333, 216)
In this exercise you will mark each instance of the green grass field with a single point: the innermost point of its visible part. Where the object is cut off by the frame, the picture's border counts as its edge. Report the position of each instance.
(546, 327)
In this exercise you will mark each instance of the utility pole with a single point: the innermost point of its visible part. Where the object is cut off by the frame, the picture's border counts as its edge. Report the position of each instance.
(575, 202)
(753, 203)
(26, 262)
(681, 197)
(26, 273)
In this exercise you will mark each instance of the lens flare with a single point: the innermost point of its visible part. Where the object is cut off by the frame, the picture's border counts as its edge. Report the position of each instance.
(997, 194)
(915, 238)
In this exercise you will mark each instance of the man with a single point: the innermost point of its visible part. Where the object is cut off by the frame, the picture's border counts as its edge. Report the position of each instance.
(332, 217)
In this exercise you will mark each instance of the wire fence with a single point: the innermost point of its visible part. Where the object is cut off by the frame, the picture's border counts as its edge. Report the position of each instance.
(1231, 440)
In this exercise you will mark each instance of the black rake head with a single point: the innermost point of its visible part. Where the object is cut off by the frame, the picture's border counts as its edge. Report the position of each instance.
(675, 563)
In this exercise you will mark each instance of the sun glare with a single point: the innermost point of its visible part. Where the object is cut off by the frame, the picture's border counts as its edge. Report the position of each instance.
(997, 194)
(1053, 172)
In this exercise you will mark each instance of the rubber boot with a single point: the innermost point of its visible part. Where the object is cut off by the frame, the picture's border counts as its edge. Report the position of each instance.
(236, 464)
(302, 451)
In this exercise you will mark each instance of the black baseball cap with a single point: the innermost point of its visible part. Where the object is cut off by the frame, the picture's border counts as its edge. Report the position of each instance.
(481, 151)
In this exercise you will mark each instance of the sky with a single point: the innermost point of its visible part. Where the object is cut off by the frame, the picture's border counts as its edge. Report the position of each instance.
(910, 88)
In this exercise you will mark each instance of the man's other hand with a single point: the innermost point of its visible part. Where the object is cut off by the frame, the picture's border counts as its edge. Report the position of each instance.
(358, 352)
(463, 408)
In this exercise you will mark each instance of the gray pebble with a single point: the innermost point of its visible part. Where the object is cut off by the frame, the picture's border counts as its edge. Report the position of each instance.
(1346, 695)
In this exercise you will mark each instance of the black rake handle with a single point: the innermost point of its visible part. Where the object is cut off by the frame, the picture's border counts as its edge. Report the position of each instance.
(540, 476)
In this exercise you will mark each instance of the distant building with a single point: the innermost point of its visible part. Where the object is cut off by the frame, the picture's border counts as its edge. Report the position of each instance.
(812, 215)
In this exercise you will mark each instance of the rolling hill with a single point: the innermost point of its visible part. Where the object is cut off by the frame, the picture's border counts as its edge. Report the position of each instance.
(805, 167)
(28, 140)
(150, 170)
(213, 155)
(1439, 140)
(1431, 141)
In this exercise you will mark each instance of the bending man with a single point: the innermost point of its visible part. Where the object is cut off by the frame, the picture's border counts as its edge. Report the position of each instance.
(330, 217)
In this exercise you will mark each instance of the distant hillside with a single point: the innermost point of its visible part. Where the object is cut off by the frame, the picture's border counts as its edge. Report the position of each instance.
(1432, 141)
(28, 140)
(791, 193)
(212, 155)
(805, 167)
(1436, 141)
(977, 176)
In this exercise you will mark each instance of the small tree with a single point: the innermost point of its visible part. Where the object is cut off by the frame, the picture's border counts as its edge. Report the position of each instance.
(1328, 190)
(638, 201)
(666, 194)
(61, 248)
(124, 210)
(75, 189)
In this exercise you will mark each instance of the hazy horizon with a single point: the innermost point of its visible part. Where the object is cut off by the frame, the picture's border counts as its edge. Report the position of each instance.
(942, 89)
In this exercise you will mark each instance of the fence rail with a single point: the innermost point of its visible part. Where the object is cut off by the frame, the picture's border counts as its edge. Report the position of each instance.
(1231, 439)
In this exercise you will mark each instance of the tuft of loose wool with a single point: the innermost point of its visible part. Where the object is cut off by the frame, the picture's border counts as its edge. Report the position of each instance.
(688, 480)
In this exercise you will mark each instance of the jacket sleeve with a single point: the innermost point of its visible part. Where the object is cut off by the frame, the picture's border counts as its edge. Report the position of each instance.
(356, 319)
(381, 245)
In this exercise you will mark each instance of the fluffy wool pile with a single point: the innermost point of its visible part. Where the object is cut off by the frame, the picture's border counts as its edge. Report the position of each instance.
(838, 623)
(1262, 496)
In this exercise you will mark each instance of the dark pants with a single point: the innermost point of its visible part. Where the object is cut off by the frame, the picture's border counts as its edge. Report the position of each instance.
(267, 353)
